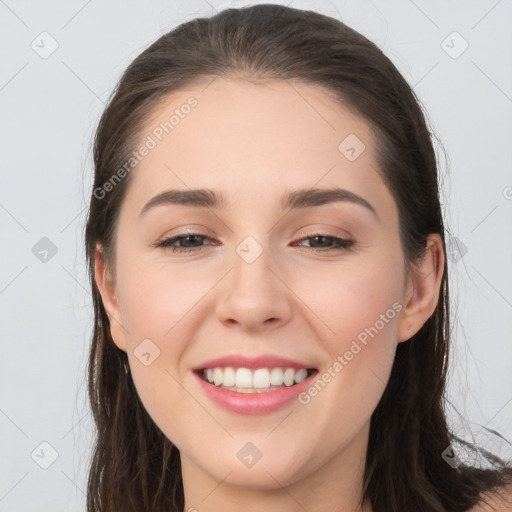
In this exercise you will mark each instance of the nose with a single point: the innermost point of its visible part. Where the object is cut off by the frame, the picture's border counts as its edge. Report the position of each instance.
(254, 296)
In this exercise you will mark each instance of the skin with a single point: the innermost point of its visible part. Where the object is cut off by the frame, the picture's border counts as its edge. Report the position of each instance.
(253, 142)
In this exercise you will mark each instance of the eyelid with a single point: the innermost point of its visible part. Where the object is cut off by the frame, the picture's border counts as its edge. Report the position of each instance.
(321, 231)
(190, 229)
(303, 233)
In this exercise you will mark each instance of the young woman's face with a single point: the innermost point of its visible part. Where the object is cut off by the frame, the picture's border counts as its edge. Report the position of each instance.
(255, 279)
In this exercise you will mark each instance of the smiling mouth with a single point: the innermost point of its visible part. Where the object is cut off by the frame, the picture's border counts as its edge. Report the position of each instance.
(261, 380)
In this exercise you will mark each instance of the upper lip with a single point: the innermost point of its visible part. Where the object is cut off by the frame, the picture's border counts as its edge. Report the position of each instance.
(262, 361)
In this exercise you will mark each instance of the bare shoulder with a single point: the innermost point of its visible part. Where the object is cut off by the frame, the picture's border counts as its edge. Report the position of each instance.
(497, 501)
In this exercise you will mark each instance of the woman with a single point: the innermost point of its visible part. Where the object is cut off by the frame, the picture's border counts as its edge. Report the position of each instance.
(267, 255)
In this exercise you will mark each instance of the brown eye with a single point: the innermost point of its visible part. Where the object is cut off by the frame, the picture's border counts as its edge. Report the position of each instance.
(323, 243)
(187, 242)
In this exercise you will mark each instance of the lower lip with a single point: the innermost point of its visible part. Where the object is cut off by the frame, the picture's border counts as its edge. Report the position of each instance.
(254, 403)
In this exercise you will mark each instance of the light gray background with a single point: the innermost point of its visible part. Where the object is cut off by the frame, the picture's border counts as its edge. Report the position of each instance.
(50, 108)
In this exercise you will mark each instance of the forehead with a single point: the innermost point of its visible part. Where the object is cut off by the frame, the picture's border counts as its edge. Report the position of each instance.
(273, 113)
(249, 138)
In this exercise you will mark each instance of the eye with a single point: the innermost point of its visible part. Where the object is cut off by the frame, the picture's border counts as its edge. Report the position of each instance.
(189, 242)
(340, 244)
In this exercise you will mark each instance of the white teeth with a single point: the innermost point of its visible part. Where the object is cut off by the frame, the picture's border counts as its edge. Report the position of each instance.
(289, 374)
(217, 376)
(261, 378)
(245, 380)
(301, 375)
(228, 377)
(276, 377)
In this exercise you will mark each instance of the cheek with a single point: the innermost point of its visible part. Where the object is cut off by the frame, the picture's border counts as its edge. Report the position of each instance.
(156, 297)
(360, 357)
(159, 302)
(356, 302)
(360, 308)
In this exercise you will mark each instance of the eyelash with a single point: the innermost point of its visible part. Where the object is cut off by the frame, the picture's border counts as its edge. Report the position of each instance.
(343, 244)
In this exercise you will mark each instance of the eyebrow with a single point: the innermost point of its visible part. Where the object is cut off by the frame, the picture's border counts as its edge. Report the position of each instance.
(303, 198)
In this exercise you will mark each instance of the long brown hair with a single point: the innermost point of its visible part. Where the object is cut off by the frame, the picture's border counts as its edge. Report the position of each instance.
(134, 466)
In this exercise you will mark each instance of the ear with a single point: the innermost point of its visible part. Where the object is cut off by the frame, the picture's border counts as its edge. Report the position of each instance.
(105, 284)
(422, 289)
